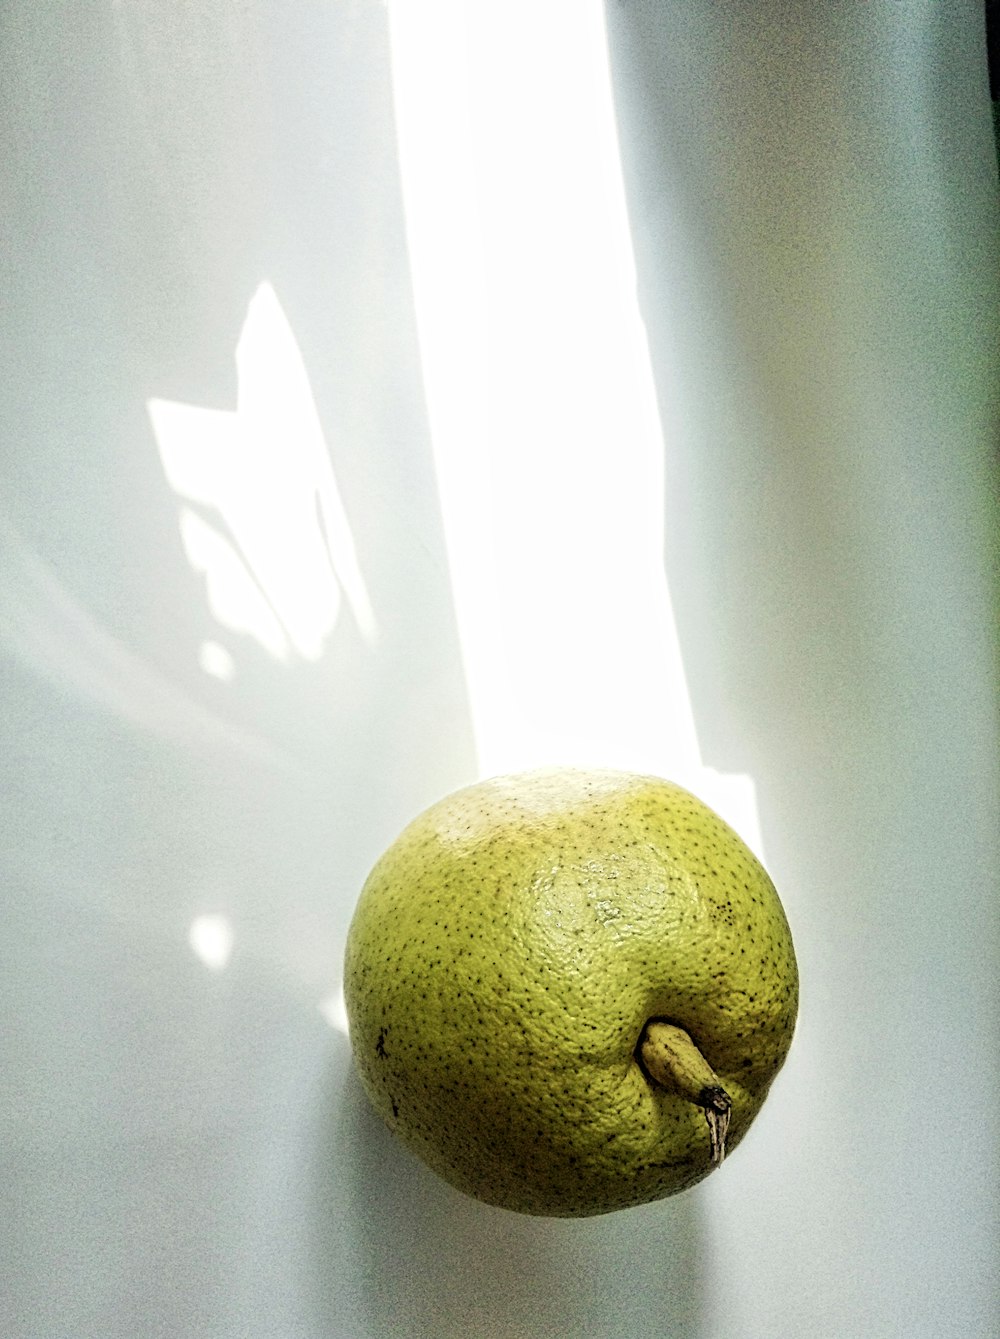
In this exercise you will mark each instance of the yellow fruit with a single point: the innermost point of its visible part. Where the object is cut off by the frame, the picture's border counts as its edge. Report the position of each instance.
(509, 964)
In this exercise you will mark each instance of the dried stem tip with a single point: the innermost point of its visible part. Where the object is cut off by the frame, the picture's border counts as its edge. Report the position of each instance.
(672, 1060)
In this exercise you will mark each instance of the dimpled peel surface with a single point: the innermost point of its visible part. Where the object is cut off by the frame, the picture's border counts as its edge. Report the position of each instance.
(505, 955)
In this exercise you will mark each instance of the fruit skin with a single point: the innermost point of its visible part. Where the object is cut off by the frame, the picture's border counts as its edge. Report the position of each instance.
(505, 955)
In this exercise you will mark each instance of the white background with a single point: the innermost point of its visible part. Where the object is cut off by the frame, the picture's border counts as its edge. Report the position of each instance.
(395, 394)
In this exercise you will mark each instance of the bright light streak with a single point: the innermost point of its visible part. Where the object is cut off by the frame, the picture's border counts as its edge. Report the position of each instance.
(211, 940)
(547, 440)
(263, 518)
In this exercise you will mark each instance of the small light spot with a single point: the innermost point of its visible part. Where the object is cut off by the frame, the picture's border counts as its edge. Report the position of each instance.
(211, 940)
(334, 1010)
(215, 660)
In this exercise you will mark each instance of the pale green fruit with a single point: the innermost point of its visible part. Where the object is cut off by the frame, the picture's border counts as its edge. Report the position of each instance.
(505, 957)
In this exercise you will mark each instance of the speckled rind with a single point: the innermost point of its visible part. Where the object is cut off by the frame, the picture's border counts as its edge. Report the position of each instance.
(504, 956)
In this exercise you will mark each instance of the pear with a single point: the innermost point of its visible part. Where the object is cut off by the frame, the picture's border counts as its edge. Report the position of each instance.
(569, 991)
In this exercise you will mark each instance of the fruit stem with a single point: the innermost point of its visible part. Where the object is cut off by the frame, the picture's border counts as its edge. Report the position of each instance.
(672, 1060)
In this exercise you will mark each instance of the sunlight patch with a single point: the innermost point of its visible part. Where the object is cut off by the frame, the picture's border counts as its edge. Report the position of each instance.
(211, 940)
(216, 661)
(260, 512)
(334, 1010)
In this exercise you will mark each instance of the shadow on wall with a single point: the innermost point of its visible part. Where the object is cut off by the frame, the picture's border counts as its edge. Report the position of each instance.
(813, 200)
(431, 1263)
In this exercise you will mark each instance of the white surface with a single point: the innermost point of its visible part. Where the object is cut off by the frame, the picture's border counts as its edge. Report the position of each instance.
(226, 690)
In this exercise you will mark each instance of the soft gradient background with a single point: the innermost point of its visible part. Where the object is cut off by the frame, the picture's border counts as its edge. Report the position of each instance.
(397, 393)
